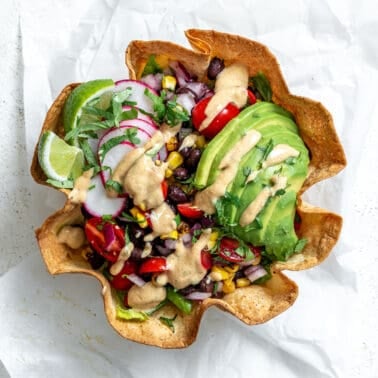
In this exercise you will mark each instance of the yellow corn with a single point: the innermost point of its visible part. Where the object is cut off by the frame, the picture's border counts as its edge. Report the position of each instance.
(200, 141)
(228, 286)
(211, 244)
(220, 272)
(242, 282)
(257, 260)
(172, 235)
(174, 160)
(168, 173)
(169, 82)
(139, 216)
(214, 236)
(172, 144)
(142, 206)
(231, 269)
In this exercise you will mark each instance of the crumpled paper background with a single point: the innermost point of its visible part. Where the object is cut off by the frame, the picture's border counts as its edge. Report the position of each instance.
(55, 326)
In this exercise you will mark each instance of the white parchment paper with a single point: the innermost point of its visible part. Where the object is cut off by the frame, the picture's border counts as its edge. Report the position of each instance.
(55, 326)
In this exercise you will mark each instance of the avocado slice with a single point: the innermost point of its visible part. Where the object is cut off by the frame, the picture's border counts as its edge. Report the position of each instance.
(273, 227)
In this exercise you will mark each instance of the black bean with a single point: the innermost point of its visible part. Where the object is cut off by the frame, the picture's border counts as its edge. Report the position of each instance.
(177, 195)
(188, 290)
(185, 152)
(215, 67)
(95, 259)
(181, 173)
(206, 285)
(136, 254)
(207, 222)
(192, 161)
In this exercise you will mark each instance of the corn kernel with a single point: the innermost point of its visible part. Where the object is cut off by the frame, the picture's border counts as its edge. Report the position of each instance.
(168, 173)
(169, 82)
(232, 269)
(243, 282)
(142, 206)
(223, 274)
(214, 236)
(174, 160)
(211, 244)
(172, 235)
(257, 260)
(172, 144)
(200, 141)
(139, 216)
(228, 286)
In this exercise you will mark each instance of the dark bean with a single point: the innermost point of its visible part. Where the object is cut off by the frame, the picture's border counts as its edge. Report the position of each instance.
(192, 161)
(95, 259)
(163, 251)
(181, 173)
(136, 254)
(215, 67)
(239, 274)
(207, 222)
(177, 195)
(185, 152)
(188, 290)
(206, 285)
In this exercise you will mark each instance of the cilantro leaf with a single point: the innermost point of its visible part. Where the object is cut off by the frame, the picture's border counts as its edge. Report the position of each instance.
(261, 83)
(115, 185)
(168, 322)
(151, 66)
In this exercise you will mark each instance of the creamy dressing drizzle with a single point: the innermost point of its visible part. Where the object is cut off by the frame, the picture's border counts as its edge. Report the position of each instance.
(184, 265)
(79, 192)
(189, 141)
(145, 297)
(253, 209)
(162, 221)
(123, 256)
(230, 86)
(280, 153)
(74, 237)
(206, 198)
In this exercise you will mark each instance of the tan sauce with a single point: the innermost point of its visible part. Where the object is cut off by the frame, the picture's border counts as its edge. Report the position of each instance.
(206, 198)
(162, 220)
(189, 141)
(72, 236)
(123, 256)
(184, 265)
(79, 192)
(146, 297)
(230, 86)
(254, 208)
(280, 153)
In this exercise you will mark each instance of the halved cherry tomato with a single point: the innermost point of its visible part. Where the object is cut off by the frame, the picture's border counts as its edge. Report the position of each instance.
(153, 265)
(251, 97)
(120, 281)
(94, 232)
(164, 188)
(206, 260)
(229, 112)
(189, 210)
(255, 250)
(227, 250)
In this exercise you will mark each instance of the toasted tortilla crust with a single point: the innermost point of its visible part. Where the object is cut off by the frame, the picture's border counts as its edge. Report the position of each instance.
(254, 304)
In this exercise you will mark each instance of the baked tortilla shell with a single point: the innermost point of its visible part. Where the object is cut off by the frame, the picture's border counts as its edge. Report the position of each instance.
(254, 304)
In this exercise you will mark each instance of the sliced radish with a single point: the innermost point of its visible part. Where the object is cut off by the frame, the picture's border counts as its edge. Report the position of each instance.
(141, 115)
(99, 204)
(137, 93)
(141, 124)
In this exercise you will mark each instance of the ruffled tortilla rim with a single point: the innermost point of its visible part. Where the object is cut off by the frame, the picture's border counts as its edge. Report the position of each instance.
(254, 304)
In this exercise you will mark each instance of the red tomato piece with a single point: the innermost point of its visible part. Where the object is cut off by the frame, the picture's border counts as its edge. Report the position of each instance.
(188, 210)
(94, 233)
(251, 97)
(120, 281)
(206, 259)
(229, 112)
(227, 250)
(164, 188)
(153, 265)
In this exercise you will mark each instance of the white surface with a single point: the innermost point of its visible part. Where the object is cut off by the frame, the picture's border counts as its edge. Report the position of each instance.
(55, 326)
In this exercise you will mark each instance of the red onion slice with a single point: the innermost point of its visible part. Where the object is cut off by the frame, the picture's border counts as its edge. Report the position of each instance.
(135, 279)
(182, 75)
(153, 80)
(186, 100)
(110, 237)
(187, 239)
(198, 296)
(253, 273)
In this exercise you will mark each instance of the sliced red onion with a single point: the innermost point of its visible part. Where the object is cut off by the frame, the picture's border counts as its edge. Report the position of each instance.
(110, 237)
(187, 239)
(253, 273)
(196, 227)
(198, 88)
(247, 263)
(198, 296)
(153, 80)
(182, 75)
(186, 100)
(164, 251)
(170, 243)
(135, 279)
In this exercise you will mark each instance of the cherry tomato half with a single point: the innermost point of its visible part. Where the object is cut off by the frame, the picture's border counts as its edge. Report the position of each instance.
(188, 210)
(164, 188)
(120, 281)
(153, 265)
(95, 235)
(206, 259)
(251, 97)
(229, 112)
(227, 250)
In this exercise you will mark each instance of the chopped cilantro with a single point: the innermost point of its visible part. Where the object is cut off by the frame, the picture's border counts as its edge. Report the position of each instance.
(151, 66)
(261, 83)
(115, 185)
(168, 322)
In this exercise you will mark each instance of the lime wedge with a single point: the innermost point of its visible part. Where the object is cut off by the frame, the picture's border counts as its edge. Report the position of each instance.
(82, 95)
(59, 160)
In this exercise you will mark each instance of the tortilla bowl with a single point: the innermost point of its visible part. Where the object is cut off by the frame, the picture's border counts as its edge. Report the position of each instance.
(254, 304)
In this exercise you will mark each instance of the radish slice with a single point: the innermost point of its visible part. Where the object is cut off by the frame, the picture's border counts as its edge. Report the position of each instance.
(99, 204)
(140, 115)
(141, 124)
(137, 93)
